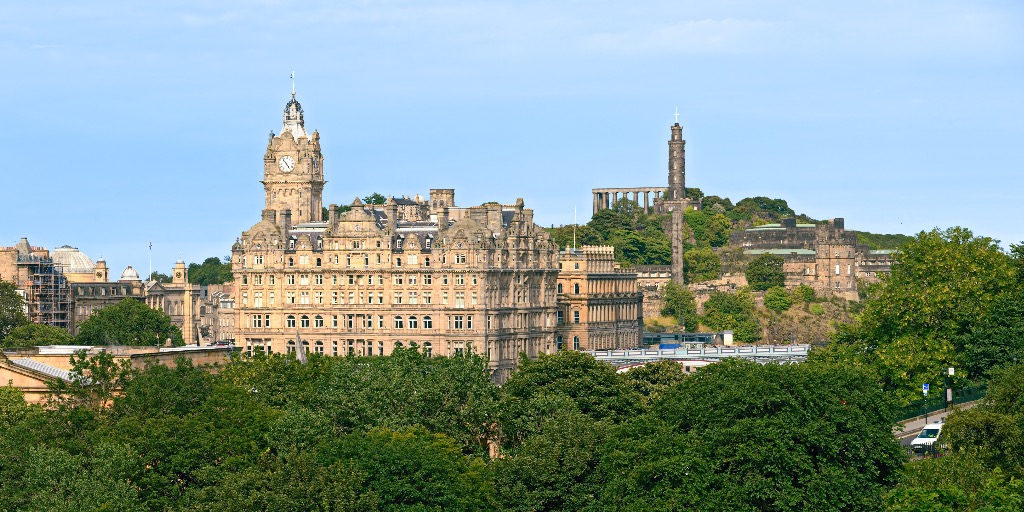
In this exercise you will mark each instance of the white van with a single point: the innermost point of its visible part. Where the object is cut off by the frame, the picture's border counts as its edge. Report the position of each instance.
(927, 439)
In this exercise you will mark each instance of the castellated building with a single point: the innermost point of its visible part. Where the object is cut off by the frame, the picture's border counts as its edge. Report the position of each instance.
(428, 273)
(825, 257)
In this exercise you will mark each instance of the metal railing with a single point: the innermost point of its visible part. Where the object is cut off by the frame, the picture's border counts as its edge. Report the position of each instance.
(937, 401)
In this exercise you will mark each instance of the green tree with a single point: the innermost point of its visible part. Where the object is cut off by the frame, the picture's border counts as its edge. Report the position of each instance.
(291, 482)
(36, 335)
(701, 264)
(211, 271)
(739, 435)
(416, 470)
(159, 277)
(731, 311)
(765, 271)
(129, 322)
(680, 304)
(941, 283)
(654, 379)
(777, 299)
(12, 309)
(375, 198)
(709, 228)
(584, 235)
(552, 470)
(325, 214)
(803, 293)
(763, 208)
(596, 389)
(93, 381)
(998, 338)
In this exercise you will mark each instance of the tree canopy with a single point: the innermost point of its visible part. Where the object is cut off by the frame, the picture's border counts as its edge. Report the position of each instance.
(732, 311)
(129, 322)
(211, 271)
(765, 271)
(36, 335)
(12, 309)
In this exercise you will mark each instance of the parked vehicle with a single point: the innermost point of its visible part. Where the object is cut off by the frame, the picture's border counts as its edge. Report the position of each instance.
(927, 440)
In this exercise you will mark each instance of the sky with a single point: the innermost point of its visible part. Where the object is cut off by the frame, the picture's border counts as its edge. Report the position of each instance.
(129, 123)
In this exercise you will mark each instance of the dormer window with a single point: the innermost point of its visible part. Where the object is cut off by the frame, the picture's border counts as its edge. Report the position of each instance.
(427, 243)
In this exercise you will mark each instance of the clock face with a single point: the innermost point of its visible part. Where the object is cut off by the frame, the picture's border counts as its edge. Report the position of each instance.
(286, 163)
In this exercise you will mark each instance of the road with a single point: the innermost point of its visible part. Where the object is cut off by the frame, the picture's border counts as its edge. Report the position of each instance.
(913, 426)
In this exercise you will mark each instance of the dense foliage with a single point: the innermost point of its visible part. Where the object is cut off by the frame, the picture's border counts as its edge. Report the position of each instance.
(34, 335)
(765, 271)
(638, 238)
(732, 311)
(951, 300)
(681, 305)
(412, 432)
(12, 306)
(129, 322)
(212, 270)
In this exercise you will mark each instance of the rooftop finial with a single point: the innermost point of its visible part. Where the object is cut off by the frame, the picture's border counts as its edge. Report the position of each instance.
(677, 110)
(293, 84)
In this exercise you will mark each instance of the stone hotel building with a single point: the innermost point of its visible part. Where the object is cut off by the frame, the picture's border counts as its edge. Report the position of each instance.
(448, 279)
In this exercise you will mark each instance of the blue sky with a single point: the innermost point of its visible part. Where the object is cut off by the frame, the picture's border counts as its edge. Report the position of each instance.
(130, 122)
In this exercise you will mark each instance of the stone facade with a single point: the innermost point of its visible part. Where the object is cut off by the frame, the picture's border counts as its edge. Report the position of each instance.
(600, 307)
(825, 257)
(426, 273)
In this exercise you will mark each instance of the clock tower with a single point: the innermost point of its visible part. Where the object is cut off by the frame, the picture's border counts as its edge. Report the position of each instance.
(293, 169)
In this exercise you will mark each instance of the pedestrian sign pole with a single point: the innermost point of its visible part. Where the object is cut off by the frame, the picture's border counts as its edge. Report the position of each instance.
(924, 391)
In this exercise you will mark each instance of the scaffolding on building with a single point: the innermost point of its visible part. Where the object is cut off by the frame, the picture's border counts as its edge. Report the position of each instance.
(49, 293)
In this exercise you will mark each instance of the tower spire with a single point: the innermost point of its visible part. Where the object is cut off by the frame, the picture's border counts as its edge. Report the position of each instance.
(293, 85)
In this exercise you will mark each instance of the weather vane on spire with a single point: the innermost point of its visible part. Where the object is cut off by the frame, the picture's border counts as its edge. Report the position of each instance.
(293, 84)
(677, 112)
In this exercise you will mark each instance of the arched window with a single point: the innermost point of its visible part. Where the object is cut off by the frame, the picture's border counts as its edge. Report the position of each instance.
(428, 323)
(318, 262)
(576, 288)
(319, 347)
(412, 322)
(426, 259)
(398, 262)
(559, 287)
(291, 347)
(291, 321)
(398, 322)
(304, 321)
(291, 261)
(575, 342)
(318, 321)
(428, 349)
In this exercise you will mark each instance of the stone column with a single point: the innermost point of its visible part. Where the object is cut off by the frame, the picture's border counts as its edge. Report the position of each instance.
(647, 202)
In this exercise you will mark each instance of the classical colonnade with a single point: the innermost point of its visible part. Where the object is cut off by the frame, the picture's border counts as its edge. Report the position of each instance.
(604, 198)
